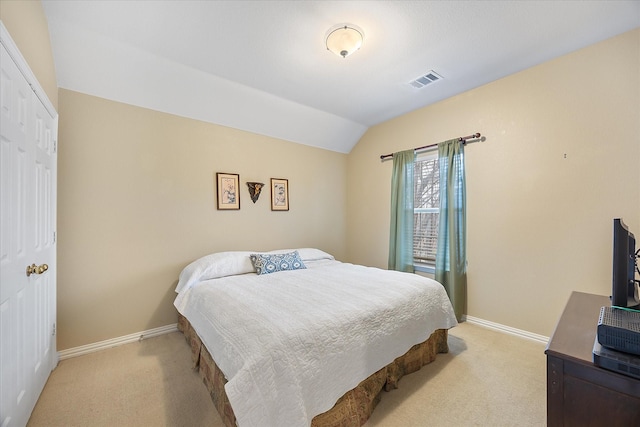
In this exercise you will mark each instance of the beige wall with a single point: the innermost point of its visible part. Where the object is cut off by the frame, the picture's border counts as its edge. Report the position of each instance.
(137, 203)
(27, 25)
(561, 159)
(136, 189)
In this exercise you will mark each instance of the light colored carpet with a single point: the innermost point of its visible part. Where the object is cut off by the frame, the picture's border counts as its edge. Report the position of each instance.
(487, 378)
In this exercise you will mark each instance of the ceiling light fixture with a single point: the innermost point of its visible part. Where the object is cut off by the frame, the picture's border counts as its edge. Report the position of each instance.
(344, 39)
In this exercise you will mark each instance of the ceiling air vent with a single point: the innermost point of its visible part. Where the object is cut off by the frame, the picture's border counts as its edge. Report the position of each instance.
(422, 81)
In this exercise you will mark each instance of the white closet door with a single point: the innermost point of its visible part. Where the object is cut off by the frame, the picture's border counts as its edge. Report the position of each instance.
(27, 238)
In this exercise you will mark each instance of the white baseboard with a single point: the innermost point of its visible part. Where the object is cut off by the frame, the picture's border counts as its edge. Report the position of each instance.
(506, 329)
(139, 336)
(114, 342)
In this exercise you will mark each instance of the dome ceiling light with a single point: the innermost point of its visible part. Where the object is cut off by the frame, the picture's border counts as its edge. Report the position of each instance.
(344, 39)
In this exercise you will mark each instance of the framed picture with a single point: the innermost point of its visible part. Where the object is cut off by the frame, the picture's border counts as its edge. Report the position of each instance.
(279, 194)
(228, 191)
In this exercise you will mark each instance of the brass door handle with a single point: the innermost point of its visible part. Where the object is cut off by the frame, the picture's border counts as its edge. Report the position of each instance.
(31, 269)
(36, 269)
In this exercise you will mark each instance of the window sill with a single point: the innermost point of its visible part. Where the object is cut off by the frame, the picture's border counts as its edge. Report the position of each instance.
(425, 268)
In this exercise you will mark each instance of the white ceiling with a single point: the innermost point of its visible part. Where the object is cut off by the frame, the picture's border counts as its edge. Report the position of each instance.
(262, 66)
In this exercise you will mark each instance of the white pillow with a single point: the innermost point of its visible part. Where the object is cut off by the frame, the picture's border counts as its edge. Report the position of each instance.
(213, 266)
(221, 264)
(309, 254)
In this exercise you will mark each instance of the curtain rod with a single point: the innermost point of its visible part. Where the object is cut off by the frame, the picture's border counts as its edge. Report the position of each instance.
(462, 139)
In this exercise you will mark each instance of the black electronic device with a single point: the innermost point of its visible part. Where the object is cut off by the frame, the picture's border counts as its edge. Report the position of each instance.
(617, 361)
(619, 330)
(624, 290)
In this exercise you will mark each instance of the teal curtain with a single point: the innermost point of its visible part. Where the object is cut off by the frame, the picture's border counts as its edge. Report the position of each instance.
(451, 257)
(401, 231)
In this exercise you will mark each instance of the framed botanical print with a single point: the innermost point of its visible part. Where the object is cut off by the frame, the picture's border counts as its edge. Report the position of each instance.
(279, 194)
(227, 191)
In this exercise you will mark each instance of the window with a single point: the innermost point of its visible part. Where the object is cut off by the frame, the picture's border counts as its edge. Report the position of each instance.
(426, 205)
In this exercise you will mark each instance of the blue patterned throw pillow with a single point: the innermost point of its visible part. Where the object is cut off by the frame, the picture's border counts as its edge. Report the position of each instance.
(270, 263)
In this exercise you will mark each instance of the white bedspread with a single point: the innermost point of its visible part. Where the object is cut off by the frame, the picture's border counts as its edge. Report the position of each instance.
(291, 343)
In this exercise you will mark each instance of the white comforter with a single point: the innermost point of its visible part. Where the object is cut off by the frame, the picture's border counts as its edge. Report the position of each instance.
(291, 343)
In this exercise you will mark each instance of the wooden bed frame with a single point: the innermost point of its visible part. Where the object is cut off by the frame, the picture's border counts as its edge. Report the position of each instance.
(352, 409)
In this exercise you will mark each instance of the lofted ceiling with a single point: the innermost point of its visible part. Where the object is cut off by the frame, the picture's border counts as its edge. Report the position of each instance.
(262, 66)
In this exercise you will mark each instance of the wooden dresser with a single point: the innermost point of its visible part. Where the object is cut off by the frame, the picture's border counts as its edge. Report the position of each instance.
(580, 393)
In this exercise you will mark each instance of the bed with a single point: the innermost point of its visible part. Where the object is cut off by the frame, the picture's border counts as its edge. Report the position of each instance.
(297, 338)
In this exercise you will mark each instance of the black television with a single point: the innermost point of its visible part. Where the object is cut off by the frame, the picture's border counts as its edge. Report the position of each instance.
(624, 286)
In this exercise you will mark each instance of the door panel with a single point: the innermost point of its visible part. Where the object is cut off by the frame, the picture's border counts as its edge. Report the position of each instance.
(16, 95)
(27, 225)
(43, 251)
